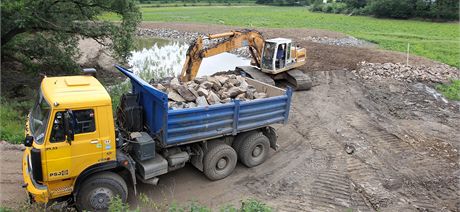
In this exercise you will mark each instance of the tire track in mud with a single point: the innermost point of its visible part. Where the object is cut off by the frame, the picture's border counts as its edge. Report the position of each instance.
(330, 188)
(403, 170)
(385, 162)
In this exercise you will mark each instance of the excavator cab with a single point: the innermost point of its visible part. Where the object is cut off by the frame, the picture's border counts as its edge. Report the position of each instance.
(279, 56)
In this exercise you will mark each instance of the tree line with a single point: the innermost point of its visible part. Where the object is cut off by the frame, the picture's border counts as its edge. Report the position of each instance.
(193, 1)
(402, 9)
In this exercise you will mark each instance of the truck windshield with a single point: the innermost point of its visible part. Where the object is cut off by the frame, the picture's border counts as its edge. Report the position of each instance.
(38, 119)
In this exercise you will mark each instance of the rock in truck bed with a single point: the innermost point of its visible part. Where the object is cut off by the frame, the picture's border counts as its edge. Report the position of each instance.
(207, 90)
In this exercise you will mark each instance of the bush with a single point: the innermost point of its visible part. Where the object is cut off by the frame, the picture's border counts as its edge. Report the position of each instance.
(338, 7)
(329, 7)
(317, 6)
(401, 9)
(254, 205)
(361, 11)
(13, 118)
(391, 8)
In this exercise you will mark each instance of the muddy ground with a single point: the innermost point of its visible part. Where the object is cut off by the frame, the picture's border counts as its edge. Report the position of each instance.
(349, 144)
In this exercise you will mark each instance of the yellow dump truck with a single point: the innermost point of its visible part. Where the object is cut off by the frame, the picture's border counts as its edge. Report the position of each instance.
(76, 151)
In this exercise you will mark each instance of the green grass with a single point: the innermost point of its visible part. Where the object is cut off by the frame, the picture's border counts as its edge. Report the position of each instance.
(12, 120)
(190, 4)
(450, 91)
(147, 204)
(249, 205)
(438, 41)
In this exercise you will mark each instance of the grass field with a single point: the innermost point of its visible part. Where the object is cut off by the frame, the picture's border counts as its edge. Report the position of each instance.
(438, 41)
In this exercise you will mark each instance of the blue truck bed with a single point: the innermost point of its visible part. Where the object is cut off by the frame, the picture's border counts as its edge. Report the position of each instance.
(182, 126)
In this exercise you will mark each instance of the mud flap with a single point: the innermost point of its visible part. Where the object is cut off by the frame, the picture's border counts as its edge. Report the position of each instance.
(272, 136)
(130, 166)
(197, 159)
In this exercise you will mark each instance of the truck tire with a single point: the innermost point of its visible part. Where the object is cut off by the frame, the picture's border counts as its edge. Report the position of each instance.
(238, 141)
(254, 149)
(97, 191)
(219, 161)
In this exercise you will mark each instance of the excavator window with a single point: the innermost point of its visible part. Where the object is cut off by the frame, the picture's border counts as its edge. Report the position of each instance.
(281, 56)
(269, 54)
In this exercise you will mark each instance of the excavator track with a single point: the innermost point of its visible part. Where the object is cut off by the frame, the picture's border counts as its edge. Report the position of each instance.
(299, 80)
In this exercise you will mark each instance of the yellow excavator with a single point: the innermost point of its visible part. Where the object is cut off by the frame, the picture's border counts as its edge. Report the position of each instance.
(272, 59)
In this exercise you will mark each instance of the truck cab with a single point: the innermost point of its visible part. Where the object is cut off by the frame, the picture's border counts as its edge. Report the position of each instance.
(69, 130)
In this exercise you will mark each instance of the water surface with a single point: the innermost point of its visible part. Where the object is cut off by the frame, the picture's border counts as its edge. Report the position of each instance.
(158, 58)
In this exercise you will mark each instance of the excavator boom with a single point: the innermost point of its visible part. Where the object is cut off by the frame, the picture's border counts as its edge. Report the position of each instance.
(224, 42)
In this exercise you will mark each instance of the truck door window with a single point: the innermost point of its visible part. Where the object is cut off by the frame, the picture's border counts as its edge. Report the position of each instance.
(84, 123)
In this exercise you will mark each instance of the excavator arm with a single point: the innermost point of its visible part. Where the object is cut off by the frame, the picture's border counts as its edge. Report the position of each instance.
(225, 42)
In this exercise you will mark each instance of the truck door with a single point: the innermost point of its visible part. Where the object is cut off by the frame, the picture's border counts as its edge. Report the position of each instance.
(67, 159)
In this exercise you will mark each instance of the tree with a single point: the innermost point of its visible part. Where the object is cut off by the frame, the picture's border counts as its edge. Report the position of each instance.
(355, 3)
(45, 33)
(392, 8)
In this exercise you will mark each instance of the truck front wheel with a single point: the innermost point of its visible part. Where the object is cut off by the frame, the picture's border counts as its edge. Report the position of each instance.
(219, 161)
(97, 191)
(254, 149)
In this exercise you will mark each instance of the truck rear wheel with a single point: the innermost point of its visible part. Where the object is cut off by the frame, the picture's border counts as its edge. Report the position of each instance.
(97, 191)
(254, 149)
(219, 161)
(239, 140)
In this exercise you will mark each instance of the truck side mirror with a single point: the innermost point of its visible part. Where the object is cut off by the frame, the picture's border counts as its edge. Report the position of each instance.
(28, 141)
(69, 126)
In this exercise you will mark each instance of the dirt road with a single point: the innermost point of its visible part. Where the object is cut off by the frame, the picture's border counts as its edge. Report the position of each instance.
(349, 144)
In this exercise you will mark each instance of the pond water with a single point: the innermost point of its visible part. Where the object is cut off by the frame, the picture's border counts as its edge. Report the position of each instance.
(157, 58)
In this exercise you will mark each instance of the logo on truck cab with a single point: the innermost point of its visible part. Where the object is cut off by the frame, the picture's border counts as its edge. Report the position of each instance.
(59, 173)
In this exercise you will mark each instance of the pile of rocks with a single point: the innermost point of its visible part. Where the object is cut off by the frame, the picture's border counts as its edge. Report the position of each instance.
(208, 90)
(436, 74)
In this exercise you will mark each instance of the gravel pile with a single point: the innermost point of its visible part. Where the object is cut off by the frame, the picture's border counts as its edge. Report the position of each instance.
(348, 41)
(436, 74)
(168, 34)
(208, 90)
